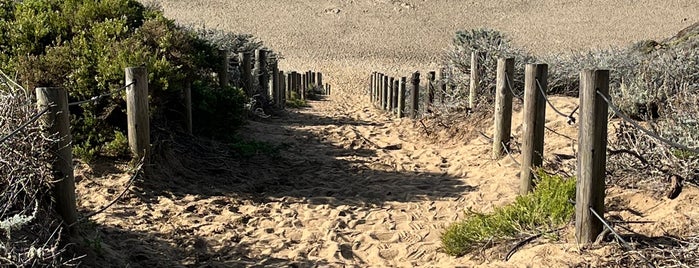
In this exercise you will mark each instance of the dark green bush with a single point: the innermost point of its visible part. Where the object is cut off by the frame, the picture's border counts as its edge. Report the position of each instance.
(85, 45)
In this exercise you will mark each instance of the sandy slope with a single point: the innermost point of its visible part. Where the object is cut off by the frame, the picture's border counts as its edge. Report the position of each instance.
(337, 195)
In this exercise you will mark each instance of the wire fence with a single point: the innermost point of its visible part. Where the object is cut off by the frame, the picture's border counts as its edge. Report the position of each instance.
(98, 97)
(38, 115)
(628, 119)
(569, 117)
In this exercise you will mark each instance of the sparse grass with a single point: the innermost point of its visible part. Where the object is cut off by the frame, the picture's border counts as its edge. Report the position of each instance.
(296, 102)
(546, 207)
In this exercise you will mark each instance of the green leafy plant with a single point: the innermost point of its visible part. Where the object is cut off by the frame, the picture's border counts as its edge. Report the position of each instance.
(544, 208)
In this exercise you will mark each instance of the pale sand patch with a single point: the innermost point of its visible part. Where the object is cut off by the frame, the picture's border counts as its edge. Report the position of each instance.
(336, 197)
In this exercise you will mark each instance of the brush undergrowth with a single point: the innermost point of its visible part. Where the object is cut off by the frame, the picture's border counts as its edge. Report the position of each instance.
(545, 208)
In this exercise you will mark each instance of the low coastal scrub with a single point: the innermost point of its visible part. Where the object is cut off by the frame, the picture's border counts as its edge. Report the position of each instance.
(545, 208)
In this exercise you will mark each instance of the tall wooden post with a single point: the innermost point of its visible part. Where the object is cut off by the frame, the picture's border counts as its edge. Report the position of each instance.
(137, 113)
(224, 74)
(261, 71)
(476, 58)
(442, 85)
(401, 97)
(394, 100)
(533, 124)
(289, 84)
(592, 158)
(299, 86)
(319, 79)
(57, 122)
(503, 106)
(281, 90)
(415, 95)
(390, 94)
(327, 89)
(385, 101)
(304, 85)
(188, 107)
(246, 72)
(380, 94)
(274, 86)
(372, 81)
(430, 89)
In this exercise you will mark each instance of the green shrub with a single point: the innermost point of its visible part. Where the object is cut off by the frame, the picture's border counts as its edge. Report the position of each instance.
(546, 207)
(85, 45)
(296, 102)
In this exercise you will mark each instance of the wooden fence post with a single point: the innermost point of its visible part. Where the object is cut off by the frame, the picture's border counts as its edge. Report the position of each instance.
(533, 124)
(415, 95)
(430, 89)
(442, 85)
(273, 89)
(289, 84)
(299, 86)
(503, 106)
(592, 157)
(401, 97)
(246, 72)
(281, 89)
(394, 100)
(223, 74)
(188, 107)
(319, 79)
(327, 88)
(372, 86)
(385, 101)
(380, 94)
(57, 122)
(476, 68)
(303, 85)
(137, 112)
(261, 71)
(390, 94)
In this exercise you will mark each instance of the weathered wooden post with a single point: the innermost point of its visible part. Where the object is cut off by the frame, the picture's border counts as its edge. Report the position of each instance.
(57, 122)
(442, 85)
(299, 87)
(289, 84)
(223, 74)
(246, 72)
(371, 86)
(281, 90)
(385, 101)
(394, 100)
(592, 158)
(380, 93)
(274, 87)
(137, 112)
(304, 85)
(188, 107)
(415, 95)
(430, 90)
(533, 124)
(319, 79)
(390, 94)
(261, 71)
(476, 68)
(503, 106)
(327, 88)
(401, 97)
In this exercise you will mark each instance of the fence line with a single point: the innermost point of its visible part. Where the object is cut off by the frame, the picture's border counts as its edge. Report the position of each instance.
(95, 98)
(591, 141)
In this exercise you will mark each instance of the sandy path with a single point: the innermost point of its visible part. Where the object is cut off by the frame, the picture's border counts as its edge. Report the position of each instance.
(337, 195)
